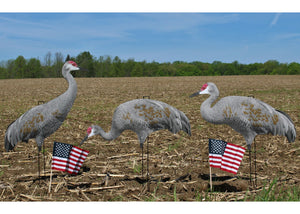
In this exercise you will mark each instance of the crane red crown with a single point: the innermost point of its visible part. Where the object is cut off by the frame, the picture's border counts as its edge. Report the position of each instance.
(73, 63)
(204, 87)
(89, 130)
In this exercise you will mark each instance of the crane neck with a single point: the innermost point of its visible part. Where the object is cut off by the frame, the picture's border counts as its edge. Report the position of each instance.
(65, 101)
(111, 135)
(209, 112)
(71, 93)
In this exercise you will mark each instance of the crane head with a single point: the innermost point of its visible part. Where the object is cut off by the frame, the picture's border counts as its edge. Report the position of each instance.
(204, 90)
(71, 66)
(90, 132)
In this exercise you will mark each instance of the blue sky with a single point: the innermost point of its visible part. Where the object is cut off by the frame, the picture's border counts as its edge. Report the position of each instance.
(160, 37)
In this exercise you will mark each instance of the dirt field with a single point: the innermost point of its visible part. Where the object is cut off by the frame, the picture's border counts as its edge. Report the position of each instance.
(178, 163)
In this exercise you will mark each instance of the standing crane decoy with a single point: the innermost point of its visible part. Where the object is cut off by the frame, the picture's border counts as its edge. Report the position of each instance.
(246, 115)
(43, 120)
(143, 116)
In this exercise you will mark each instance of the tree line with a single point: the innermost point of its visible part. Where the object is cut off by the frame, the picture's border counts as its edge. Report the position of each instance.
(106, 66)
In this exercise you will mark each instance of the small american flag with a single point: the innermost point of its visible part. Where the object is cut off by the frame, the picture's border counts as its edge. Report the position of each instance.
(67, 157)
(226, 156)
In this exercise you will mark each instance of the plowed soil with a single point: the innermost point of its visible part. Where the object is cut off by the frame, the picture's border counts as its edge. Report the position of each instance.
(178, 164)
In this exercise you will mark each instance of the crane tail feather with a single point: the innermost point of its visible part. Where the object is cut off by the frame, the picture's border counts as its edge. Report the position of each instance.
(8, 144)
(185, 123)
(289, 127)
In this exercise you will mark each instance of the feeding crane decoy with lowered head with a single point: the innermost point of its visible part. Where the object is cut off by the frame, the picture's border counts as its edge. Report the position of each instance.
(143, 116)
(43, 120)
(246, 115)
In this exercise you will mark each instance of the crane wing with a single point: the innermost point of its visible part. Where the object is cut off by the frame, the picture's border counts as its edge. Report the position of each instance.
(160, 115)
(37, 121)
(246, 114)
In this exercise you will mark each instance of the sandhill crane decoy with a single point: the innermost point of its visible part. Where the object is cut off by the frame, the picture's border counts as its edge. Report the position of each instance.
(143, 116)
(43, 120)
(246, 115)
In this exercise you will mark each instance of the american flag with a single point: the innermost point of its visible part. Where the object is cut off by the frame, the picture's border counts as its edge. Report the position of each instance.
(226, 156)
(67, 157)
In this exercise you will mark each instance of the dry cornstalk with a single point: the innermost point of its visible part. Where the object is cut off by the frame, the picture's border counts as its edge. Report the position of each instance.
(136, 197)
(26, 161)
(165, 166)
(10, 153)
(58, 186)
(84, 195)
(111, 175)
(98, 188)
(77, 183)
(31, 198)
(291, 151)
(122, 156)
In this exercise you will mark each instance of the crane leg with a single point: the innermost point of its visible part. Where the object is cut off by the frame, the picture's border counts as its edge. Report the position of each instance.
(148, 182)
(147, 160)
(44, 158)
(142, 161)
(255, 180)
(39, 167)
(250, 165)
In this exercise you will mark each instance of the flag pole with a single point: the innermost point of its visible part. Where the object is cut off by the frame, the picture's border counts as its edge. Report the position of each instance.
(50, 179)
(210, 179)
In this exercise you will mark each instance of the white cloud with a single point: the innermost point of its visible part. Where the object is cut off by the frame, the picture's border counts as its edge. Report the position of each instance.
(275, 19)
(287, 36)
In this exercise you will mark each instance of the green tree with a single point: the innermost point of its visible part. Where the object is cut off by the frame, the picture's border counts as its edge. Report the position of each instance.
(58, 63)
(269, 66)
(86, 61)
(19, 67)
(137, 70)
(128, 67)
(293, 68)
(46, 71)
(217, 68)
(152, 69)
(118, 67)
(3, 72)
(33, 68)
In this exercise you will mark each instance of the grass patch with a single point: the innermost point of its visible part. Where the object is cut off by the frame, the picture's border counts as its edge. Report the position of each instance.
(275, 192)
(177, 143)
(137, 168)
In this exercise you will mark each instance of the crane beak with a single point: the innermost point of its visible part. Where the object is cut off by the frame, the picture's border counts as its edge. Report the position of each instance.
(195, 94)
(82, 69)
(84, 139)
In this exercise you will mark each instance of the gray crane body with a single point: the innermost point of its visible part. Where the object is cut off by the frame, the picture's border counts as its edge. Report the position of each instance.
(246, 115)
(143, 116)
(43, 120)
